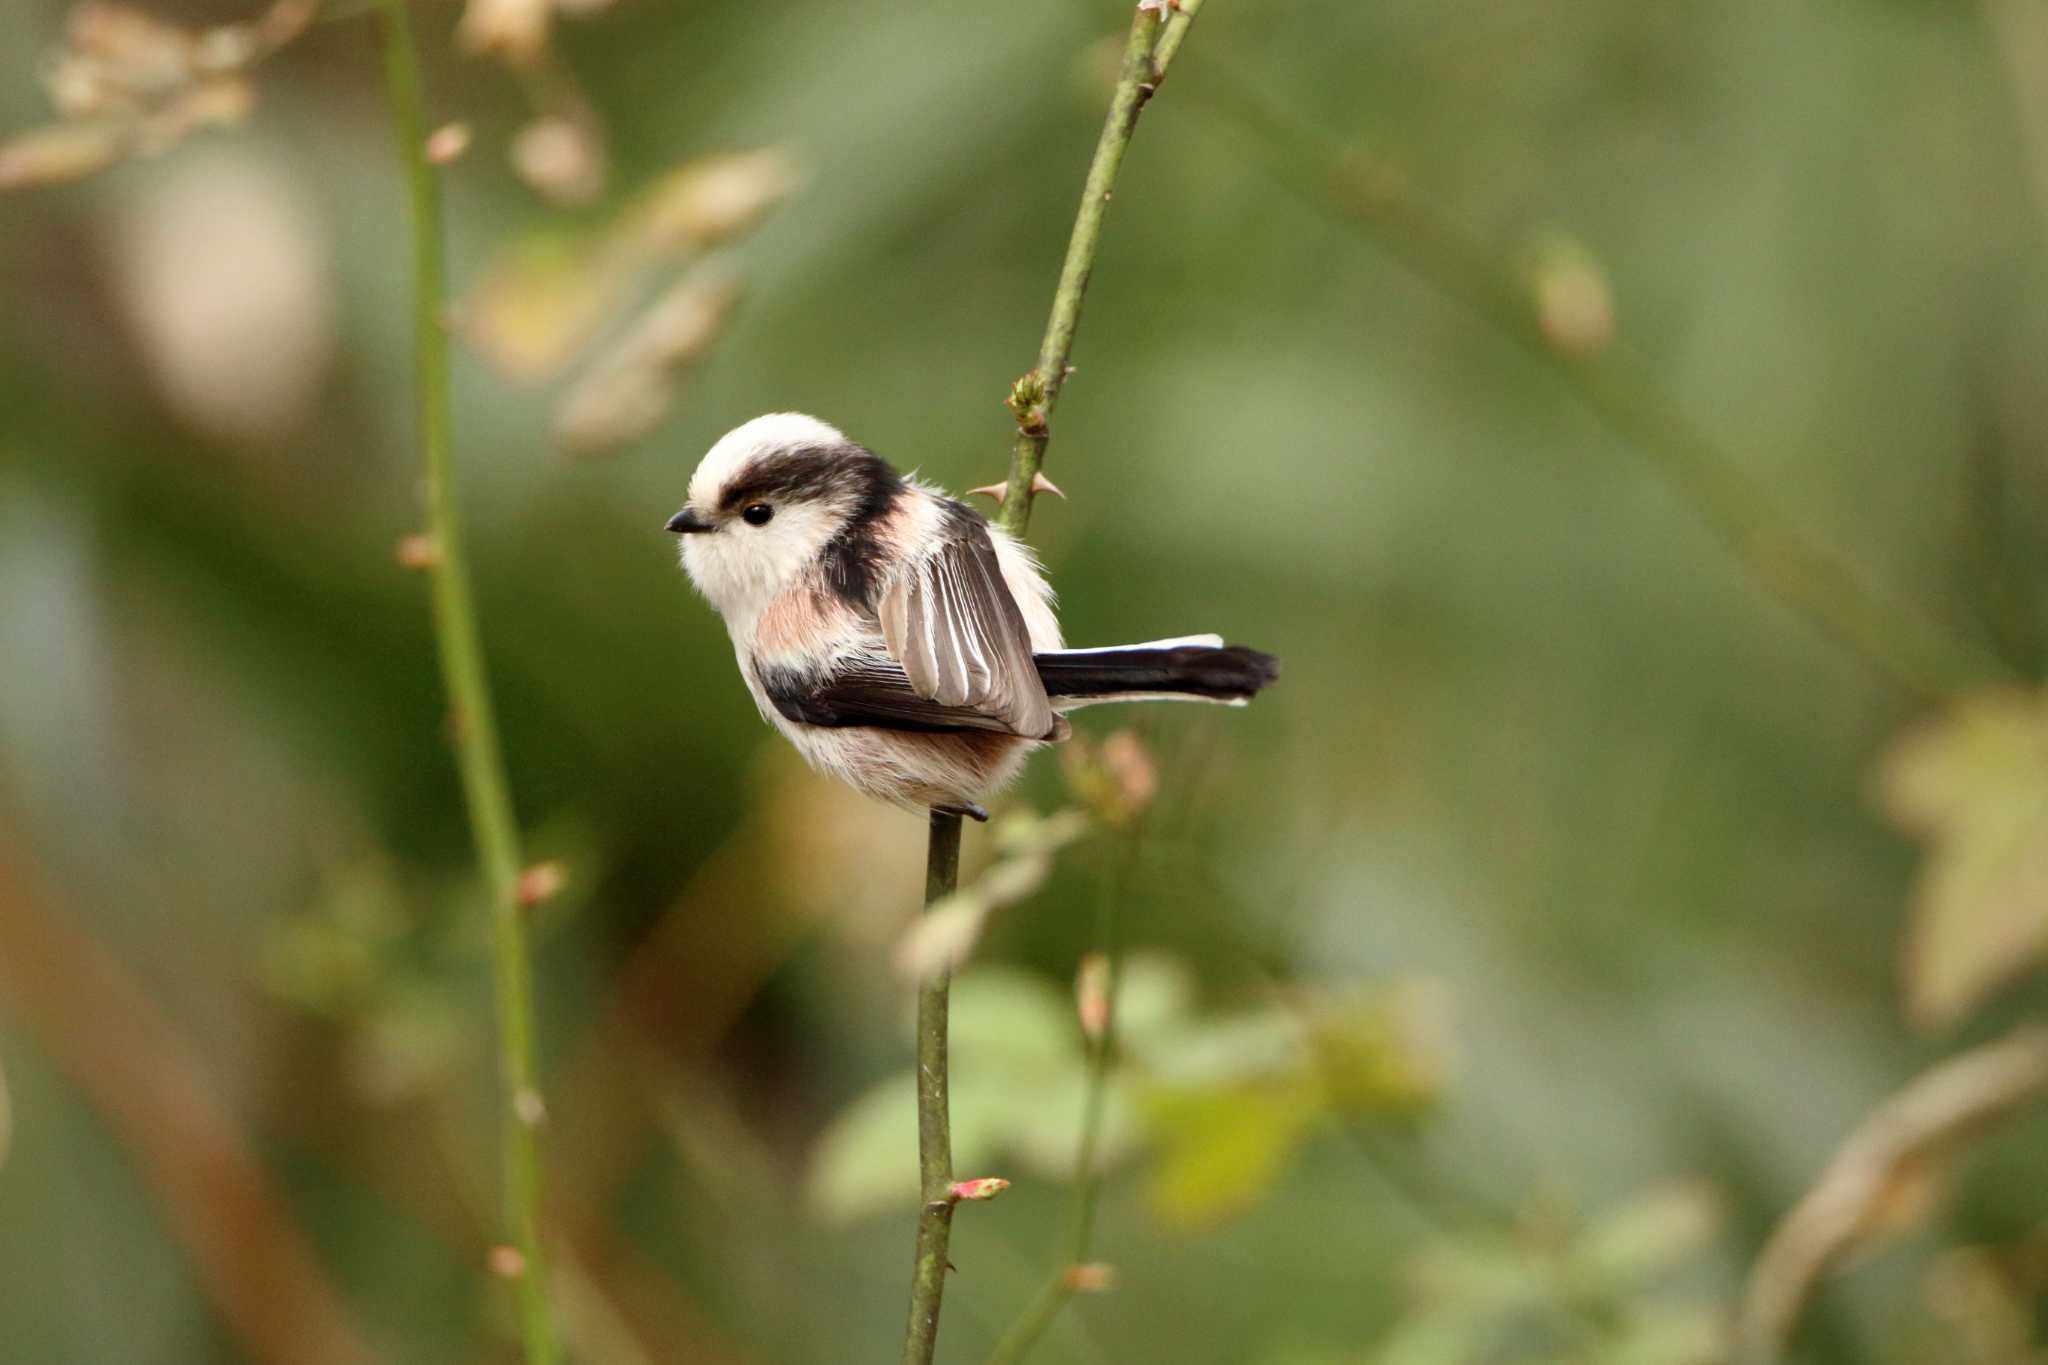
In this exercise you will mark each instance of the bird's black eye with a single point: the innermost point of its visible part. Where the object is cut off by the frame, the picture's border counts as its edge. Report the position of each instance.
(757, 514)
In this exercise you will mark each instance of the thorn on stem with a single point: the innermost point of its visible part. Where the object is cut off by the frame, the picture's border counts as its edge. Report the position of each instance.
(541, 882)
(447, 143)
(1000, 491)
(417, 552)
(1092, 1278)
(529, 1108)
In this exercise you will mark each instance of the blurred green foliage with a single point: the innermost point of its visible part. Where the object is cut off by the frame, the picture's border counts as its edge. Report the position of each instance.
(1549, 875)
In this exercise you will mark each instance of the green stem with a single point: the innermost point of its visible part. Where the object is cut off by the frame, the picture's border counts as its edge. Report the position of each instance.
(1148, 51)
(934, 1115)
(1619, 389)
(493, 826)
(1083, 1194)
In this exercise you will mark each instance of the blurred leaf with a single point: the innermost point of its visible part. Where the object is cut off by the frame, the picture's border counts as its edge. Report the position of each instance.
(1025, 831)
(1488, 1272)
(1230, 1099)
(866, 1159)
(1652, 1233)
(514, 31)
(1673, 1334)
(1005, 1017)
(713, 199)
(630, 388)
(562, 156)
(1975, 784)
(1154, 991)
(61, 152)
(1221, 1149)
(943, 937)
(1017, 1091)
(1222, 1050)
(332, 957)
(1371, 1054)
(1428, 1340)
(410, 1040)
(540, 301)
(1986, 1316)
(547, 295)
(6, 1118)
(1543, 1290)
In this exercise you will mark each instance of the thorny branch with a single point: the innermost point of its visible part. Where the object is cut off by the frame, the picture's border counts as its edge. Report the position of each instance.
(1158, 28)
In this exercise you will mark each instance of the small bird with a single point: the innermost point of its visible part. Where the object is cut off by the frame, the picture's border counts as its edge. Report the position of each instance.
(903, 644)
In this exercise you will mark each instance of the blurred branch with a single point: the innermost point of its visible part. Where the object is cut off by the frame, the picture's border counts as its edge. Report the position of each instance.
(1071, 1272)
(1376, 198)
(1884, 1165)
(154, 1089)
(492, 822)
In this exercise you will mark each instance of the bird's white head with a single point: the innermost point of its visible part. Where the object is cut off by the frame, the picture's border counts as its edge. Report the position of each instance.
(774, 498)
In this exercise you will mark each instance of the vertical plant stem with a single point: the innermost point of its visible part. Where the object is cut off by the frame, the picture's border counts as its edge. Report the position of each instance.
(493, 826)
(1080, 1228)
(1083, 1194)
(1148, 49)
(934, 1115)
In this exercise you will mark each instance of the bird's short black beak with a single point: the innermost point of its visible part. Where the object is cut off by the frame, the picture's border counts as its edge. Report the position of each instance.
(688, 520)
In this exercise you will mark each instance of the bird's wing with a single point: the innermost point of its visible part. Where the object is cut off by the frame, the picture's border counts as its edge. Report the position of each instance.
(949, 619)
(869, 690)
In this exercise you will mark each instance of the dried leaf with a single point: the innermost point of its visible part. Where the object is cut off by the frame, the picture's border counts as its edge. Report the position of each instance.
(943, 938)
(631, 388)
(1652, 1233)
(514, 31)
(61, 152)
(562, 157)
(714, 199)
(540, 302)
(1974, 783)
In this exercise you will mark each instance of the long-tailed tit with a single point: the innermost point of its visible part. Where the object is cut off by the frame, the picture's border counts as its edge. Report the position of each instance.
(902, 643)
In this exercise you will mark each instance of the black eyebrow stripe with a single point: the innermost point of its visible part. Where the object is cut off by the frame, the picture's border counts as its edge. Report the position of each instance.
(807, 472)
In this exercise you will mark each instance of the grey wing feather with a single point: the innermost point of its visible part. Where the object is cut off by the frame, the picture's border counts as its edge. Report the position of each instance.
(950, 620)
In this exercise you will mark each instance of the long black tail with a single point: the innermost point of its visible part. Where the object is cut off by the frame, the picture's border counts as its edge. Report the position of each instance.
(1201, 668)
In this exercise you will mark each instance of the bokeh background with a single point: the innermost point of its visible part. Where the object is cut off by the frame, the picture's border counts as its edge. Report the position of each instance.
(1558, 834)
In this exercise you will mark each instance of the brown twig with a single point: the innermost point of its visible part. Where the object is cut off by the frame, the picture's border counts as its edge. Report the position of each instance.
(1883, 1163)
(97, 1020)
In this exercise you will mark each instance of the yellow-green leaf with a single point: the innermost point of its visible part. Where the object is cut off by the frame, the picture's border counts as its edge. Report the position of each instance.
(1974, 783)
(1224, 1147)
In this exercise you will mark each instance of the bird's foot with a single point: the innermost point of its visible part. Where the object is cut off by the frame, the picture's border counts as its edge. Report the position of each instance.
(966, 808)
